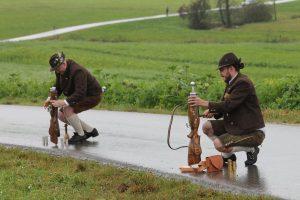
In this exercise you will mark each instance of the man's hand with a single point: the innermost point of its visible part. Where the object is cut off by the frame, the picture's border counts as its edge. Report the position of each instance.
(208, 114)
(47, 103)
(196, 101)
(58, 103)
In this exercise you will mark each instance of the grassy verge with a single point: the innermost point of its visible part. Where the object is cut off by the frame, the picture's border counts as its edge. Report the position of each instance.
(282, 116)
(31, 175)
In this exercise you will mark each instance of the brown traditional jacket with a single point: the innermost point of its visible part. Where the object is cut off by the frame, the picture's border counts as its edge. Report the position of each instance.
(239, 107)
(76, 83)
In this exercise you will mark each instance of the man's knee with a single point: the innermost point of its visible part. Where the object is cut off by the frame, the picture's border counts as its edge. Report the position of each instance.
(220, 147)
(68, 111)
(218, 144)
(61, 116)
(207, 128)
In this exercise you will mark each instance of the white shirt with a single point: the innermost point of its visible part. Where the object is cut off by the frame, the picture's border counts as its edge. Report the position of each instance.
(233, 78)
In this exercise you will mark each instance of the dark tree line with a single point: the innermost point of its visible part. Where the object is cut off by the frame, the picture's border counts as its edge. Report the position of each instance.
(200, 16)
(224, 9)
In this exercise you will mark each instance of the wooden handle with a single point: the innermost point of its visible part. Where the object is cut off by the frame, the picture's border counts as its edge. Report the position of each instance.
(54, 131)
(194, 149)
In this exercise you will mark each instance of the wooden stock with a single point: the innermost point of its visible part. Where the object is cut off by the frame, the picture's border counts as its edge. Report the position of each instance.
(54, 125)
(194, 148)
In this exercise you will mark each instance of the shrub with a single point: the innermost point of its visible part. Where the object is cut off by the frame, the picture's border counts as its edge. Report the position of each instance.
(198, 15)
(256, 12)
(183, 11)
(281, 93)
(163, 92)
(13, 86)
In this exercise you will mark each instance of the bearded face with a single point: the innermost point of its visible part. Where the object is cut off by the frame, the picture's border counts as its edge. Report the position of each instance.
(224, 73)
(62, 68)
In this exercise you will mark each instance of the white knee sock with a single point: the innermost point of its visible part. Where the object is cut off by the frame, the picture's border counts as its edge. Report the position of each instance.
(237, 149)
(226, 155)
(86, 127)
(212, 137)
(246, 149)
(76, 124)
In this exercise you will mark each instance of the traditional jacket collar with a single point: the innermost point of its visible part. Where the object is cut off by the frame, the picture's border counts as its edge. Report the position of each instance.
(234, 79)
(68, 69)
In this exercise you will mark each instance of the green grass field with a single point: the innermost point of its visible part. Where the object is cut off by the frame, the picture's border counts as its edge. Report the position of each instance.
(174, 30)
(31, 175)
(24, 17)
(143, 52)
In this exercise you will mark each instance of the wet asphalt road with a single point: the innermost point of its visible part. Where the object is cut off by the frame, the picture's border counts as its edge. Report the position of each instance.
(140, 139)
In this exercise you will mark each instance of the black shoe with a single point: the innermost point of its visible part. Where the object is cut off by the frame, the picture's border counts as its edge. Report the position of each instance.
(232, 157)
(252, 157)
(94, 133)
(76, 138)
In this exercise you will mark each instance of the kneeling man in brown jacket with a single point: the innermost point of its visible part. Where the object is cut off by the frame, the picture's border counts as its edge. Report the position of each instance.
(82, 92)
(241, 126)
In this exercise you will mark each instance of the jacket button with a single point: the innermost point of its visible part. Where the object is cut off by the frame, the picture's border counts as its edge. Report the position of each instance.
(231, 123)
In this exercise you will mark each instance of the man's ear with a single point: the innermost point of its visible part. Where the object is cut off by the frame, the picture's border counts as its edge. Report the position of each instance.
(65, 64)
